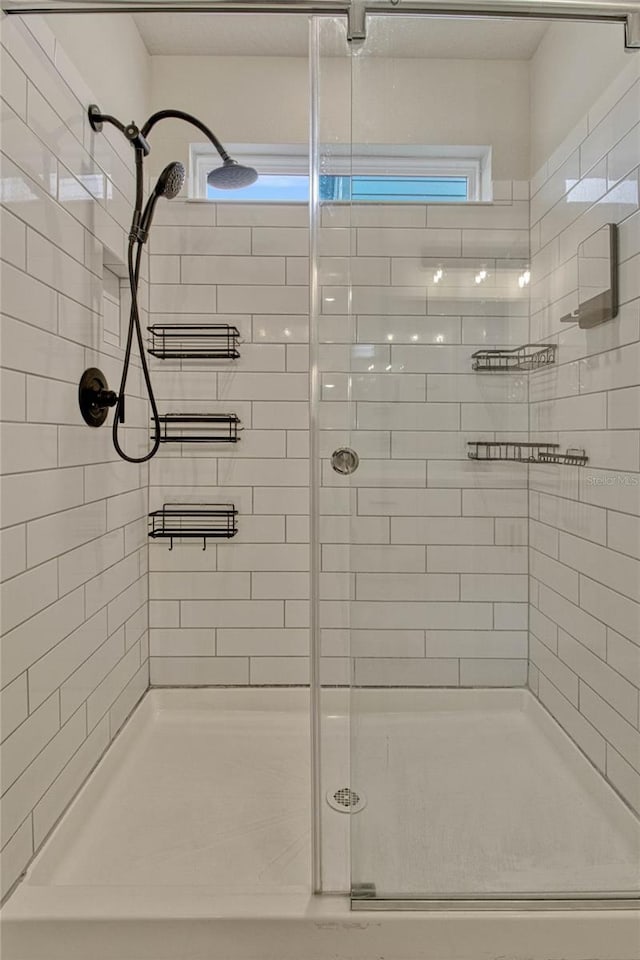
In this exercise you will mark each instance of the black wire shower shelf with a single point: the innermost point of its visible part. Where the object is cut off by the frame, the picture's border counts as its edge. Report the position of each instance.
(199, 428)
(525, 452)
(572, 457)
(532, 356)
(194, 521)
(195, 341)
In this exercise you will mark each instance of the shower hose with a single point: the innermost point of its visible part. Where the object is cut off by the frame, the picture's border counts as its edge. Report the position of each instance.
(134, 257)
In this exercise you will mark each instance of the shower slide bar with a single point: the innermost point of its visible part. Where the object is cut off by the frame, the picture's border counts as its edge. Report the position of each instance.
(623, 11)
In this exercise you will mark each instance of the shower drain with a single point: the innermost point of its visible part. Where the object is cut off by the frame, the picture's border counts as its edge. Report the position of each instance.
(346, 800)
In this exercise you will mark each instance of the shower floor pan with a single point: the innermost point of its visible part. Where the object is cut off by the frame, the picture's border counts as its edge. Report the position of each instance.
(191, 839)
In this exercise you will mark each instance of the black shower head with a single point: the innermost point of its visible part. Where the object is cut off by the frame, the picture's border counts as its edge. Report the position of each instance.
(231, 176)
(171, 181)
(169, 184)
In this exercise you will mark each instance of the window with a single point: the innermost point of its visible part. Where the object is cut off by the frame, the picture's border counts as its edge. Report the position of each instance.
(269, 188)
(394, 189)
(372, 175)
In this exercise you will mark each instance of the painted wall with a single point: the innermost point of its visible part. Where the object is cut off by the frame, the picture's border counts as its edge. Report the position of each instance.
(585, 522)
(110, 54)
(74, 557)
(265, 100)
(573, 65)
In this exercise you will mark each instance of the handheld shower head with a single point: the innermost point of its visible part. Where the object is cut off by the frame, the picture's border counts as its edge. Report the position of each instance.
(169, 185)
(231, 176)
(171, 181)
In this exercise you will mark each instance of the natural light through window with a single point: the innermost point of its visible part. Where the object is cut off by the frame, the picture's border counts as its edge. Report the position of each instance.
(417, 175)
(276, 188)
(269, 188)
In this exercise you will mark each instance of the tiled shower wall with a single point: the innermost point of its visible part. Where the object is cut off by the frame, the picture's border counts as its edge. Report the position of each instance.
(585, 522)
(437, 569)
(74, 592)
(237, 612)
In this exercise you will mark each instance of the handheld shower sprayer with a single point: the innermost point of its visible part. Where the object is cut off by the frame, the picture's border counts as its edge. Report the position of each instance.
(170, 183)
(230, 176)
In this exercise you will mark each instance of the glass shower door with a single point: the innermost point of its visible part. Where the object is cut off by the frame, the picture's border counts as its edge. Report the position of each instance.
(463, 786)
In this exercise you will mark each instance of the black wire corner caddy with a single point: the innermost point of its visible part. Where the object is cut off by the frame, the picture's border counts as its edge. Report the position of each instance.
(531, 356)
(194, 521)
(195, 341)
(199, 428)
(525, 452)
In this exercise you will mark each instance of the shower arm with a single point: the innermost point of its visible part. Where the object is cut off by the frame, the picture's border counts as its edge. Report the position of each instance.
(138, 139)
(188, 118)
(140, 228)
(137, 136)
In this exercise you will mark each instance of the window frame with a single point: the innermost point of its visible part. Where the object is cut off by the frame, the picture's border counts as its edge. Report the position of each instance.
(473, 163)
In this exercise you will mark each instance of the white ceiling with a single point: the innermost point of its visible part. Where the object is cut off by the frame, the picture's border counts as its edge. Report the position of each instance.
(285, 35)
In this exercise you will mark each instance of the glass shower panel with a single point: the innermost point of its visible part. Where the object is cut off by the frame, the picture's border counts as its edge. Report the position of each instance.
(331, 339)
(464, 787)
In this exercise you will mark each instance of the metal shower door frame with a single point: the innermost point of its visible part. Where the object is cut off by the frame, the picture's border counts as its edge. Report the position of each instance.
(626, 12)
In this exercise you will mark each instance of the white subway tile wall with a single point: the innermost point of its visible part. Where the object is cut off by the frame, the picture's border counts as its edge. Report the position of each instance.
(585, 526)
(438, 541)
(74, 570)
(223, 615)
(431, 284)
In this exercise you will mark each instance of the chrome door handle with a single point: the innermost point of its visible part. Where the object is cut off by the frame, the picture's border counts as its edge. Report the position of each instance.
(344, 460)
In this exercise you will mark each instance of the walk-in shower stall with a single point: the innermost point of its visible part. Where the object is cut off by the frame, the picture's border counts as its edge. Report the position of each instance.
(336, 652)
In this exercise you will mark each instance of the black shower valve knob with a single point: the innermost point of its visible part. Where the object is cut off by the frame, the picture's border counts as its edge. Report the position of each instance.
(94, 397)
(106, 398)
